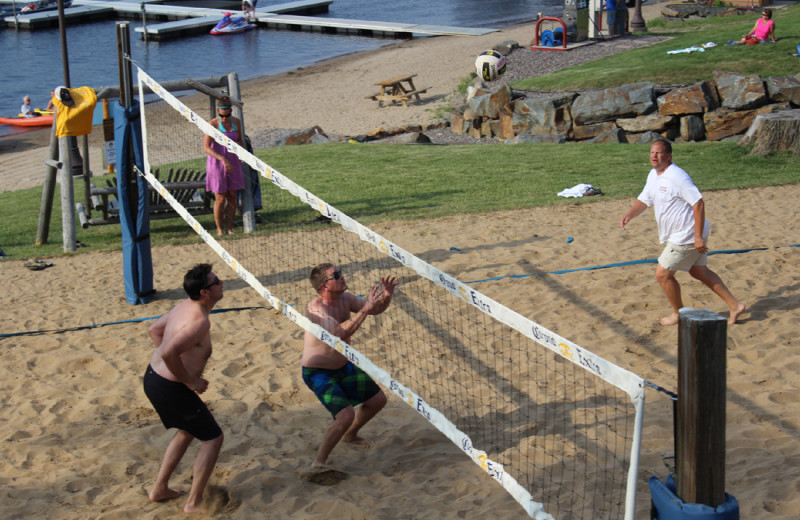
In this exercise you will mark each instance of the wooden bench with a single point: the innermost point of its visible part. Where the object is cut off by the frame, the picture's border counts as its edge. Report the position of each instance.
(187, 186)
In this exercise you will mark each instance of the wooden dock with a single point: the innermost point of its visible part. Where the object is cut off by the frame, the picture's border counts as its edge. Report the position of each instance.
(365, 28)
(175, 21)
(83, 11)
(47, 19)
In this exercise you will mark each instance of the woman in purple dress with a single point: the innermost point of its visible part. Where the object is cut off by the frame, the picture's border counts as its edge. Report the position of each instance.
(224, 175)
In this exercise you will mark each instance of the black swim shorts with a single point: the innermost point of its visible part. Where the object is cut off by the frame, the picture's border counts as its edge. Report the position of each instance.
(179, 407)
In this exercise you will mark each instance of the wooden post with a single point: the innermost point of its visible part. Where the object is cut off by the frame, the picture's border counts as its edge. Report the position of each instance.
(702, 364)
(49, 187)
(67, 197)
(248, 213)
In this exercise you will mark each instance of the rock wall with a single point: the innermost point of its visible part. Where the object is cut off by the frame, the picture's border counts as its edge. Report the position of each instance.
(640, 112)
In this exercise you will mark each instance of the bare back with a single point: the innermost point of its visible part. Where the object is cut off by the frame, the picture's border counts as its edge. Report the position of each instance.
(183, 332)
(317, 354)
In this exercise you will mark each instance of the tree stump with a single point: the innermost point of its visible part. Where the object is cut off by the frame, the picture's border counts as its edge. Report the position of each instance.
(773, 132)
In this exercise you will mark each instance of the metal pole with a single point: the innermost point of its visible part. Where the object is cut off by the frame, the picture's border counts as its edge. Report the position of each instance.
(125, 71)
(126, 100)
(144, 23)
(637, 22)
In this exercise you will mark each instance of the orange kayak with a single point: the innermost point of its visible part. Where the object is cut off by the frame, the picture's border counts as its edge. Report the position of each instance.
(28, 121)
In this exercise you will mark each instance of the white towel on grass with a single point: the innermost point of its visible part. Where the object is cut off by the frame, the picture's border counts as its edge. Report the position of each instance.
(575, 191)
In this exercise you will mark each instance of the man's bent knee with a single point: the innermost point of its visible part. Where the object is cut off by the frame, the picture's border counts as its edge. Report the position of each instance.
(377, 401)
(216, 442)
(663, 274)
(346, 416)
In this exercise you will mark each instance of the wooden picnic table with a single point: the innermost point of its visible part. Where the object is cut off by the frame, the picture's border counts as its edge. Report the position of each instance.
(398, 88)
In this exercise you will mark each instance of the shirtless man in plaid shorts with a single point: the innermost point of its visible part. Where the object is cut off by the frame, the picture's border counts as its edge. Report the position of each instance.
(349, 394)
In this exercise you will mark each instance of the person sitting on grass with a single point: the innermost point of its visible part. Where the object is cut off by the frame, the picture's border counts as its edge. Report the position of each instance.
(764, 27)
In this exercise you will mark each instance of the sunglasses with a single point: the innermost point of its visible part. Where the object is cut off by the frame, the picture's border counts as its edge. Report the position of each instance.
(224, 116)
(216, 281)
(336, 276)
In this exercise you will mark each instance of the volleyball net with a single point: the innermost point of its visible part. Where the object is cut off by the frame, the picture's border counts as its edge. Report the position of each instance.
(556, 425)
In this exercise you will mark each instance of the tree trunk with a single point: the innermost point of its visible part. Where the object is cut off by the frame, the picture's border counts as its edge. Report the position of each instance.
(773, 132)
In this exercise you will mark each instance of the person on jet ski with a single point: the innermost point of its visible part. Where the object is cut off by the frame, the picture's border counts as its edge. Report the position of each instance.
(249, 9)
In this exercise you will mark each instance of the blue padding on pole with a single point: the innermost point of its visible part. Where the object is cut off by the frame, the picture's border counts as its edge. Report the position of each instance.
(667, 505)
(137, 262)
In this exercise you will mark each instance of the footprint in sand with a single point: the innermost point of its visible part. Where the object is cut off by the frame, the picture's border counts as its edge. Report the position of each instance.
(322, 475)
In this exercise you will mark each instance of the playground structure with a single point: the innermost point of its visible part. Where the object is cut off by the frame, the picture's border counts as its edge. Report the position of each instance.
(581, 24)
(96, 198)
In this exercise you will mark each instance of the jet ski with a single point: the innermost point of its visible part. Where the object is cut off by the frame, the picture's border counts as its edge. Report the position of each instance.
(232, 24)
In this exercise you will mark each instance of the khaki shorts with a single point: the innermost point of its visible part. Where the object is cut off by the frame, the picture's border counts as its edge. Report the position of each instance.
(681, 258)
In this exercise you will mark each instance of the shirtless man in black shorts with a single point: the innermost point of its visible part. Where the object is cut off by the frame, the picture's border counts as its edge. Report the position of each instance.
(349, 394)
(174, 378)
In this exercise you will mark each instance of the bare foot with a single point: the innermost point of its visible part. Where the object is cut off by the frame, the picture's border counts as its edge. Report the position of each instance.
(165, 494)
(358, 441)
(230, 232)
(735, 314)
(672, 319)
(194, 508)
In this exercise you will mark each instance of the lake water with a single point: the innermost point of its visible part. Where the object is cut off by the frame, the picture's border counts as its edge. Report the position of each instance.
(30, 62)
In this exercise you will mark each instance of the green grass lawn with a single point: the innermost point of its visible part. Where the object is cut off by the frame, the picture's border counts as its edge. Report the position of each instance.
(652, 63)
(387, 182)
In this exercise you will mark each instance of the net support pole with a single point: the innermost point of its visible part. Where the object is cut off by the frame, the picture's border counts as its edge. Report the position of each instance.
(248, 213)
(702, 364)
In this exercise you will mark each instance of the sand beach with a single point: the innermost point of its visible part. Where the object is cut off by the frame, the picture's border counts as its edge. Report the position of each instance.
(80, 439)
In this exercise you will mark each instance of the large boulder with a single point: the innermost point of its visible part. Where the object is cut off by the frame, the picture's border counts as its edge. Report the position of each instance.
(740, 92)
(609, 104)
(652, 122)
(583, 132)
(489, 105)
(692, 128)
(615, 136)
(783, 89)
(645, 138)
(312, 135)
(694, 99)
(549, 115)
(411, 138)
(540, 138)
